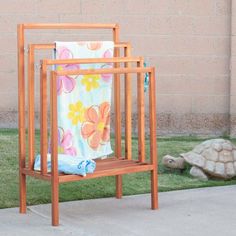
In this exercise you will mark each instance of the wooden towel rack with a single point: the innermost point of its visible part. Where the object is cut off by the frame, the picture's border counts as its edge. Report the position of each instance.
(113, 166)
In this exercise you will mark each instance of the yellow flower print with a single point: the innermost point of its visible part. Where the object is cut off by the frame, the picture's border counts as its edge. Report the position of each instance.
(90, 81)
(59, 67)
(76, 112)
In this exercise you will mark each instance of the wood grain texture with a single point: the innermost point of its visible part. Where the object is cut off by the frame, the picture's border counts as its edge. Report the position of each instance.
(54, 148)
(110, 168)
(91, 60)
(104, 71)
(128, 108)
(39, 46)
(43, 119)
(141, 114)
(117, 104)
(21, 118)
(69, 26)
(36, 174)
(116, 166)
(31, 107)
(153, 141)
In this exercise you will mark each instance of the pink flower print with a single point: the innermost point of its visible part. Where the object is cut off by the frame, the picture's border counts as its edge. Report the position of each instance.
(66, 83)
(64, 53)
(106, 77)
(65, 142)
(107, 54)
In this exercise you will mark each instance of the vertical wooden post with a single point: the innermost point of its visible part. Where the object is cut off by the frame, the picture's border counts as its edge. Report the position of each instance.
(31, 126)
(54, 153)
(153, 141)
(141, 114)
(21, 117)
(43, 118)
(128, 108)
(117, 113)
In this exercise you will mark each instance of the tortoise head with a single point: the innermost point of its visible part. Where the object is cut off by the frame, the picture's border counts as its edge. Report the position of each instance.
(173, 162)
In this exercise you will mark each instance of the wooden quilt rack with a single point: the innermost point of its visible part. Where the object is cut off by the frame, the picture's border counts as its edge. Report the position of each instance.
(115, 166)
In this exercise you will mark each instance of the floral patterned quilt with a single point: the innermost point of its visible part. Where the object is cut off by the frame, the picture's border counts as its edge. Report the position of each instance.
(84, 101)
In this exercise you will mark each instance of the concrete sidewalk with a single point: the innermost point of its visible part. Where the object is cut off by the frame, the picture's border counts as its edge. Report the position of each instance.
(201, 212)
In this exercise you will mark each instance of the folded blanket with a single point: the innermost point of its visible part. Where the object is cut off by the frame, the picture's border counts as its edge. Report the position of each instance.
(69, 164)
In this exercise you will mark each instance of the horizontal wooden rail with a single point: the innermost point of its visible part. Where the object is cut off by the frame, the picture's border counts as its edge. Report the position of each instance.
(109, 172)
(69, 26)
(90, 60)
(52, 45)
(104, 71)
(36, 174)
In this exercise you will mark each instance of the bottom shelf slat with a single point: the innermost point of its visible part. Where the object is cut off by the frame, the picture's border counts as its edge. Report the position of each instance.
(105, 167)
(110, 168)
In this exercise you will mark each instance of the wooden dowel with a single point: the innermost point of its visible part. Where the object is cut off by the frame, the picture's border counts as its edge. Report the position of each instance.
(44, 46)
(21, 117)
(52, 45)
(153, 141)
(31, 126)
(91, 60)
(104, 71)
(43, 119)
(141, 114)
(128, 109)
(54, 152)
(68, 26)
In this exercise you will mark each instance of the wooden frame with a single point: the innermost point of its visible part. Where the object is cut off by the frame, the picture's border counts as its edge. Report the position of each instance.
(43, 119)
(107, 167)
(31, 117)
(116, 166)
(43, 100)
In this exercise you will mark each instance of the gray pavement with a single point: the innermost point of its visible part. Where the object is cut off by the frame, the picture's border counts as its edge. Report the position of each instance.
(207, 211)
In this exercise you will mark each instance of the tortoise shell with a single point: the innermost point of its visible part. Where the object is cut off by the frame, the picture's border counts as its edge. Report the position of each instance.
(216, 157)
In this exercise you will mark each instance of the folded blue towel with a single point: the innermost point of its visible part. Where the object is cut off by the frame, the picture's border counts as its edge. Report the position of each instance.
(69, 164)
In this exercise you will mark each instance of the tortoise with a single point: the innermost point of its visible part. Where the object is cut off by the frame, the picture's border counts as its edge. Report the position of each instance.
(211, 158)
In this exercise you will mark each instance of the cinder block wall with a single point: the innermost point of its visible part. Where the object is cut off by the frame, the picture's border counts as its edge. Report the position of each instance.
(189, 41)
(233, 72)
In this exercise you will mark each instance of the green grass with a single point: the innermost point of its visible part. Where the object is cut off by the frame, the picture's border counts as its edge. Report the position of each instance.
(39, 191)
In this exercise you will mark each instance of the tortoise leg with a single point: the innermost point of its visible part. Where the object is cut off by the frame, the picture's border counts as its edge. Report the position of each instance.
(198, 173)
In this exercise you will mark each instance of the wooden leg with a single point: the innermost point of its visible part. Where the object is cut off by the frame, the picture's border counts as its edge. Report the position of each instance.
(117, 114)
(153, 141)
(55, 203)
(54, 154)
(154, 189)
(22, 193)
(119, 186)
(21, 118)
